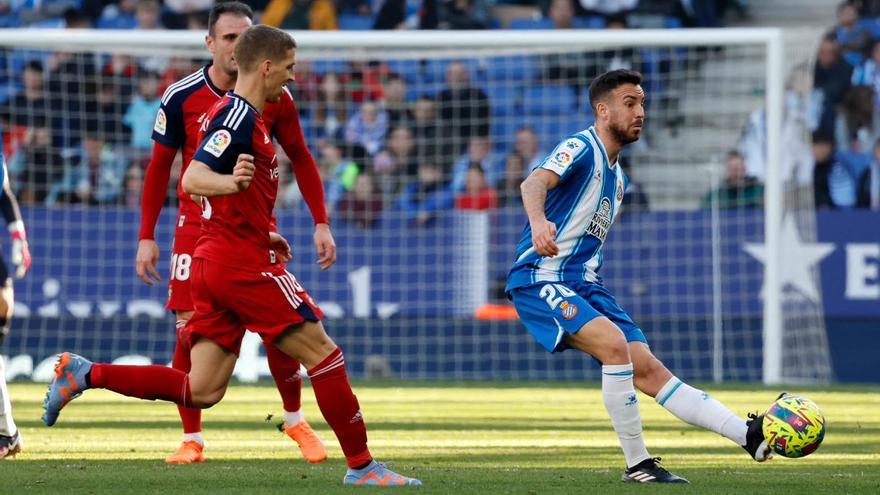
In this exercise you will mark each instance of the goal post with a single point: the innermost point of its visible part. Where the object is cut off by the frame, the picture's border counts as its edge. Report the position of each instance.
(403, 295)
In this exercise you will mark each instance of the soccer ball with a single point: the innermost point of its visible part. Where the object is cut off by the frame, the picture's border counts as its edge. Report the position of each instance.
(794, 426)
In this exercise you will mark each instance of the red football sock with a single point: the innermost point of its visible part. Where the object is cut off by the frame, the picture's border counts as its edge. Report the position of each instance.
(340, 408)
(189, 416)
(285, 372)
(144, 382)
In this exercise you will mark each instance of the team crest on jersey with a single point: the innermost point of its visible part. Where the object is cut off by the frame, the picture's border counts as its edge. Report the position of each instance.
(161, 124)
(569, 310)
(218, 143)
(601, 221)
(619, 192)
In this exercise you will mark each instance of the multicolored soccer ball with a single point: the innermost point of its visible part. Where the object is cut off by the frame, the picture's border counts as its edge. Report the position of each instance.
(794, 426)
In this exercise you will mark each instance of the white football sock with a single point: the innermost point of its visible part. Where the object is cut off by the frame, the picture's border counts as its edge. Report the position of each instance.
(623, 407)
(7, 425)
(197, 436)
(292, 418)
(699, 409)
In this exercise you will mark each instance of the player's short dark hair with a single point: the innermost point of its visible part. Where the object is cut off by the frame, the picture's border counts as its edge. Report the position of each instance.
(844, 4)
(611, 80)
(220, 8)
(34, 65)
(259, 43)
(734, 154)
(822, 137)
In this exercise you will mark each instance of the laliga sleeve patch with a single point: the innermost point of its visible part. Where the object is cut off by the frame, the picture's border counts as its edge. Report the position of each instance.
(563, 155)
(161, 122)
(218, 142)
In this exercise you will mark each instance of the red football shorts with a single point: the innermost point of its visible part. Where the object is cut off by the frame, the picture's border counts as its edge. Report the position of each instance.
(228, 301)
(185, 237)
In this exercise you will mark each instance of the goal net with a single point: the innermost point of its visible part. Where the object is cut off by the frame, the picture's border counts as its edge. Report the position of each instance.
(423, 139)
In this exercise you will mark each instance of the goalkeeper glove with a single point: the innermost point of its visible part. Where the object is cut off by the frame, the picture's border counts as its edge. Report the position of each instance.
(21, 254)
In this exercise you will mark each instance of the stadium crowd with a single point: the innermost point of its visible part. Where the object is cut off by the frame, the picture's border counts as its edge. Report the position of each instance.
(416, 136)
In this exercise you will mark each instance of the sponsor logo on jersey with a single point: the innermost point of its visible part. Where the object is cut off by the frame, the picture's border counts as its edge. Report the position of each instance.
(601, 221)
(273, 173)
(569, 310)
(203, 122)
(265, 138)
(218, 143)
(161, 124)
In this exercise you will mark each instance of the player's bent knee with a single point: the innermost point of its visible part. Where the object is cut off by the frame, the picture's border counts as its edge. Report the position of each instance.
(615, 351)
(207, 400)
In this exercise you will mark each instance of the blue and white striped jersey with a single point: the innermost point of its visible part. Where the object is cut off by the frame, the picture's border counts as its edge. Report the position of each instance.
(583, 206)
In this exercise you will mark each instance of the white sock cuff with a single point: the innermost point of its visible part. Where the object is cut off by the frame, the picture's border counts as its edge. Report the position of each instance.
(618, 370)
(293, 418)
(667, 390)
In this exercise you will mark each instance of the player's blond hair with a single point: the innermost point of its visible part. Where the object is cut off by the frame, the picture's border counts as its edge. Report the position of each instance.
(260, 43)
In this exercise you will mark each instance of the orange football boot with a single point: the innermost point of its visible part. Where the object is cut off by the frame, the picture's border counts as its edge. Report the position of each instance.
(310, 445)
(189, 452)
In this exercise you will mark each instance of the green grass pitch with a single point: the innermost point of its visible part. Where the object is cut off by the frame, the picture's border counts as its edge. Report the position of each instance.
(475, 438)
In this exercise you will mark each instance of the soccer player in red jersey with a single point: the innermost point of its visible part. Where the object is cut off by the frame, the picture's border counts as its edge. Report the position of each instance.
(237, 280)
(183, 111)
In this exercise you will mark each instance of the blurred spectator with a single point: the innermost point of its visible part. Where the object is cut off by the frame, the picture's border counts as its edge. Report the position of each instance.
(72, 83)
(425, 124)
(337, 172)
(108, 111)
(869, 183)
(119, 15)
(608, 8)
(363, 80)
(738, 190)
(134, 186)
(868, 73)
(394, 103)
(85, 17)
(367, 127)
(121, 70)
(177, 13)
(854, 38)
(428, 195)
(462, 14)
(561, 12)
(832, 77)
(869, 8)
(307, 86)
(36, 163)
(32, 11)
(399, 162)
(314, 15)
(141, 113)
(362, 206)
(147, 15)
(464, 108)
(32, 105)
(477, 194)
(700, 13)
(331, 109)
(833, 181)
(858, 122)
(479, 154)
(514, 173)
(528, 147)
(95, 176)
(800, 118)
(407, 14)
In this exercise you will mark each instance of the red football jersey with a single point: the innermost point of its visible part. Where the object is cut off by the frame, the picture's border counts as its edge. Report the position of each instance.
(186, 104)
(235, 227)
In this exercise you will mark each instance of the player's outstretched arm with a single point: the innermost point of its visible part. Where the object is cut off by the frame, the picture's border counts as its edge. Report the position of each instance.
(155, 191)
(534, 195)
(200, 179)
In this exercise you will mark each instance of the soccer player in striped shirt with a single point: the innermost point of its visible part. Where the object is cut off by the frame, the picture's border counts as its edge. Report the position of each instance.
(10, 435)
(572, 199)
(183, 111)
(239, 280)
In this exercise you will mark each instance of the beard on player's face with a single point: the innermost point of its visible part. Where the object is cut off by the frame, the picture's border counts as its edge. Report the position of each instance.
(623, 133)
